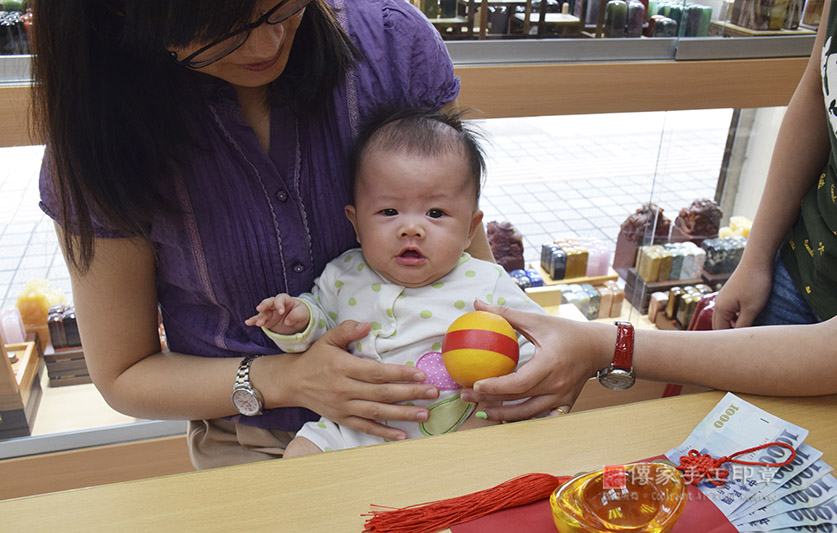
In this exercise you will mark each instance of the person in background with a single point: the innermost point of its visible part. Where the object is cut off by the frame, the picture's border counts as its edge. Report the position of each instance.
(417, 176)
(788, 273)
(196, 160)
(796, 287)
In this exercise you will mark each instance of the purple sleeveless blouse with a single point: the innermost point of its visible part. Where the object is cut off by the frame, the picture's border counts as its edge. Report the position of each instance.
(262, 223)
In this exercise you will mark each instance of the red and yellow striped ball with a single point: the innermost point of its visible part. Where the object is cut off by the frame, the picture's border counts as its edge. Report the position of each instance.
(479, 345)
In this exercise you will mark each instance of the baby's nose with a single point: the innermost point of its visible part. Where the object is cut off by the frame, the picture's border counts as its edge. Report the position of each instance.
(412, 229)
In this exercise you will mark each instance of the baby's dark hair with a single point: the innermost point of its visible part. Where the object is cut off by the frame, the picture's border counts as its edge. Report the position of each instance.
(420, 131)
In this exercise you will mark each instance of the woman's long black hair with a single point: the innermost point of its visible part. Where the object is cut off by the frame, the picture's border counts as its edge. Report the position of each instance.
(115, 110)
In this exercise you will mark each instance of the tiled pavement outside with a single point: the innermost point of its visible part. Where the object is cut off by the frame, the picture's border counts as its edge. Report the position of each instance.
(550, 176)
(583, 175)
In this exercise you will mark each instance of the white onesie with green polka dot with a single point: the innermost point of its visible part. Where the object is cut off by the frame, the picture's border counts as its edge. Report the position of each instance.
(408, 325)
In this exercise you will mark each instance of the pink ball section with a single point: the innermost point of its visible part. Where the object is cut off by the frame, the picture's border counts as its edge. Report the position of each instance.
(434, 368)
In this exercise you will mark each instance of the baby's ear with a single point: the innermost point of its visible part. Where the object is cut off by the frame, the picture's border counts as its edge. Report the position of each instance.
(351, 214)
(476, 220)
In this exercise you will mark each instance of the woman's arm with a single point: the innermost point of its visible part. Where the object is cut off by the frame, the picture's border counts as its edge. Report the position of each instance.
(116, 306)
(798, 360)
(800, 153)
(769, 360)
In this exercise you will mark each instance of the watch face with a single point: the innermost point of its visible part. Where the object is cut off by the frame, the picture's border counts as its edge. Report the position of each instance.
(616, 378)
(246, 402)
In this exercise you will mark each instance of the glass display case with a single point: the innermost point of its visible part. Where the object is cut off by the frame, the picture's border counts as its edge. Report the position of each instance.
(616, 19)
(585, 121)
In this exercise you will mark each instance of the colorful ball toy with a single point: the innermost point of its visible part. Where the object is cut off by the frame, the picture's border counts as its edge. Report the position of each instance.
(479, 345)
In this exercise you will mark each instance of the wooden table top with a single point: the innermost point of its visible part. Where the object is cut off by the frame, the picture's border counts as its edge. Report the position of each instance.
(329, 492)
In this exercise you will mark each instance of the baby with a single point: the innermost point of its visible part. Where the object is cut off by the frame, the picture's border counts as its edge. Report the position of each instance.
(417, 177)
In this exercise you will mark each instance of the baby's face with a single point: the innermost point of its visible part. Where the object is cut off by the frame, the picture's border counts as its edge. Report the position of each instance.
(413, 215)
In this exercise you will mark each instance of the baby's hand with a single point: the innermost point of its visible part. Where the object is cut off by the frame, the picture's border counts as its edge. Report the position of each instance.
(281, 314)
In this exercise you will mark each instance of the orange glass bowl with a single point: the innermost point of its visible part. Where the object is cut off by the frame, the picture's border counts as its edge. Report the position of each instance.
(651, 498)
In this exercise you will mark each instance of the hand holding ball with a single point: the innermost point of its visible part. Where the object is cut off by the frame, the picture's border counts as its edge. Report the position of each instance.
(479, 345)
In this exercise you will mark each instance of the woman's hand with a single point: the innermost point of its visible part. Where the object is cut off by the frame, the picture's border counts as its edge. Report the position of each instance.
(353, 391)
(566, 356)
(743, 296)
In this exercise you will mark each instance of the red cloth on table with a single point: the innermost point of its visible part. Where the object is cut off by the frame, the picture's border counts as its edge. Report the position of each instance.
(700, 514)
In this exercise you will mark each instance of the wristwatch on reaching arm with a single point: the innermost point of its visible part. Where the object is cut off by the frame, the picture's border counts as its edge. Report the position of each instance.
(245, 398)
(619, 375)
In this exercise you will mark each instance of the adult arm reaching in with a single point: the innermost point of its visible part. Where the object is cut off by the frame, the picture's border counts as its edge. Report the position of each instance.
(771, 360)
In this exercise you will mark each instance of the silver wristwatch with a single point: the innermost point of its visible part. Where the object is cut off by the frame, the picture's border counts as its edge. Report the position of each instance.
(245, 398)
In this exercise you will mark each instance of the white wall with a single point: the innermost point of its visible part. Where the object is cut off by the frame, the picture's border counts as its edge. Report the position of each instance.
(760, 142)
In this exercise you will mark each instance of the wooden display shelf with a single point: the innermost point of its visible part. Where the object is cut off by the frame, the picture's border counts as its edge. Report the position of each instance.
(734, 30)
(20, 389)
(638, 291)
(66, 366)
(714, 280)
(22, 374)
(664, 323)
(548, 296)
(592, 280)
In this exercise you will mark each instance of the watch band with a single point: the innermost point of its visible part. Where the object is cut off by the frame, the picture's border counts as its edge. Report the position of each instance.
(242, 378)
(623, 356)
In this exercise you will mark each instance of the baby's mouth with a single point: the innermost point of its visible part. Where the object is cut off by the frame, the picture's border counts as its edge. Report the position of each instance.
(410, 257)
(411, 254)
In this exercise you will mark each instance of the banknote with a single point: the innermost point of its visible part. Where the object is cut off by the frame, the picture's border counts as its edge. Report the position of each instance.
(823, 514)
(804, 463)
(731, 426)
(819, 528)
(814, 495)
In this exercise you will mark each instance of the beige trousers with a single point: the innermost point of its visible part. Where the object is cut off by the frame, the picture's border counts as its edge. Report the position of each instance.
(220, 442)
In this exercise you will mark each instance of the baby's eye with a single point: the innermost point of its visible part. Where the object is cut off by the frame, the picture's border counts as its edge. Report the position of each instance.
(389, 212)
(435, 213)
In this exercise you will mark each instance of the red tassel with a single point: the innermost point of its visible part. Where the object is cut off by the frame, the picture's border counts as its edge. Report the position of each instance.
(442, 514)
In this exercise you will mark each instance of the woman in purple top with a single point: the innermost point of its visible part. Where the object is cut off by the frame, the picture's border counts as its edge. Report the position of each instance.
(196, 161)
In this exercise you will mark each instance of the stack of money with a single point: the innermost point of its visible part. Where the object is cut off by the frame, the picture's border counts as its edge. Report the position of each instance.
(800, 496)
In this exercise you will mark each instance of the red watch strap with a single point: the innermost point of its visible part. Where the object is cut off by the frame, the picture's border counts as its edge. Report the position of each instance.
(623, 357)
